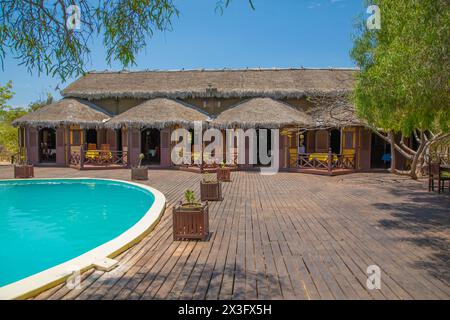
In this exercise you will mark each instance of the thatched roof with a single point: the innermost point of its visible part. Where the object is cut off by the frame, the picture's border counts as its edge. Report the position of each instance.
(261, 113)
(158, 113)
(65, 112)
(335, 111)
(249, 83)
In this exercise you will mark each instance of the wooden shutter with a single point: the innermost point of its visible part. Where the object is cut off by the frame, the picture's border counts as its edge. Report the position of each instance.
(165, 148)
(322, 141)
(76, 137)
(111, 139)
(310, 141)
(364, 150)
(135, 149)
(32, 148)
(60, 149)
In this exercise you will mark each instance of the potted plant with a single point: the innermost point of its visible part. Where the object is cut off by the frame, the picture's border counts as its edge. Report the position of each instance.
(139, 172)
(190, 219)
(22, 170)
(210, 188)
(223, 173)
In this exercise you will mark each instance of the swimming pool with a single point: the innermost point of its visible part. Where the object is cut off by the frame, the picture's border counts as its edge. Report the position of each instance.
(46, 223)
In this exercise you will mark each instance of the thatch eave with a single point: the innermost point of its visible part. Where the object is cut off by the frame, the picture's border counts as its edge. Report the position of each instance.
(133, 124)
(65, 112)
(261, 113)
(56, 124)
(159, 113)
(240, 94)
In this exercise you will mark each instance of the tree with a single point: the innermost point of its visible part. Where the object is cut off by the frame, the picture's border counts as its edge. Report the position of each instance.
(8, 134)
(35, 105)
(403, 87)
(54, 36)
(6, 94)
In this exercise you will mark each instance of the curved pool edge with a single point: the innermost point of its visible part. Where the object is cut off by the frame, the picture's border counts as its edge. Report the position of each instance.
(44, 280)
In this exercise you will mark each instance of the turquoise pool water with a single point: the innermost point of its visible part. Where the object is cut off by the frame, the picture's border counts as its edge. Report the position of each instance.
(47, 222)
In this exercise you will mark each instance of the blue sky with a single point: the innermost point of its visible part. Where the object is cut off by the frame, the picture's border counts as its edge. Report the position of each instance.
(279, 33)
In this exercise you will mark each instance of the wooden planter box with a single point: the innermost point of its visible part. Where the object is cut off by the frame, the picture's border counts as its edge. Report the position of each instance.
(224, 174)
(139, 173)
(190, 223)
(210, 191)
(23, 171)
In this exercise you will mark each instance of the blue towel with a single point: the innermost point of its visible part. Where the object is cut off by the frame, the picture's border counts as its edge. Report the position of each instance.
(386, 157)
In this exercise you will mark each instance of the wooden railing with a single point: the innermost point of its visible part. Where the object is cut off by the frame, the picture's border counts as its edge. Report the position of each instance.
(98, 158)
(329, 161)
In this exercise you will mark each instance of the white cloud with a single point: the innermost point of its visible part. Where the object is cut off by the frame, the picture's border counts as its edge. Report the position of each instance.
(314, 5)
(318, 4)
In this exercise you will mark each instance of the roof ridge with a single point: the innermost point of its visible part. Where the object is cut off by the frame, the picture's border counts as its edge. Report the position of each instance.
(223, 69)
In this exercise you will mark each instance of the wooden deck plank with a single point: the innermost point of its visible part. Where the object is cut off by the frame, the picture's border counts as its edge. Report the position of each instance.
(285, 236)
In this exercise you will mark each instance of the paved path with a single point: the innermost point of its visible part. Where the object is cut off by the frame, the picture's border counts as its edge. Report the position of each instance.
(287, 236)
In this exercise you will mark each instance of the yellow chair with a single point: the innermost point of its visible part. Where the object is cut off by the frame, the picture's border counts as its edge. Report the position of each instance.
(321, 157)
(105, 153)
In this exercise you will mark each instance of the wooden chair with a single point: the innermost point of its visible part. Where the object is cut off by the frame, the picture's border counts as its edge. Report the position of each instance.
(444, 176)
(434, 173)
(105, 154)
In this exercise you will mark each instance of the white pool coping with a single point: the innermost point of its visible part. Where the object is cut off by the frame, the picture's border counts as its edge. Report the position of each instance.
(44, 280)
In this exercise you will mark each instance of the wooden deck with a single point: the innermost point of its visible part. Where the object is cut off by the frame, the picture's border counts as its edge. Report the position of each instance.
(287, 236)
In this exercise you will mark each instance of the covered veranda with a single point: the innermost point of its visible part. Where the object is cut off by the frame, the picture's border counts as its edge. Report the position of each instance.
(71, 132)
(149, 126)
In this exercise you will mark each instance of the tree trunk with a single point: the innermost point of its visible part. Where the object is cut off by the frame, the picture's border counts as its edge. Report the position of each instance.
(393, 157)
(417, 156)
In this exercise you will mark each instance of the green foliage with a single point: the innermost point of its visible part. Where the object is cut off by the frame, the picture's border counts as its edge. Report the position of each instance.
(440, 149)
(35, 105)
(189, 195)
(39, 35)
(405, 67)
(8, 138)
(8, 134)
(5, 94)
